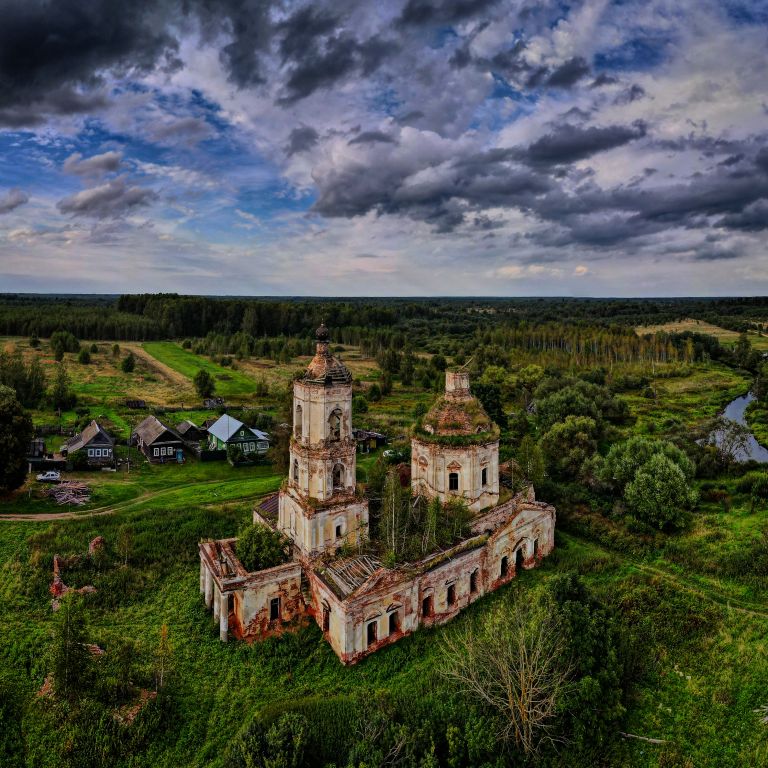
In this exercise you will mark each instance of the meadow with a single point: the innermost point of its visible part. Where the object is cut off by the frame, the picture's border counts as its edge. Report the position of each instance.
(695, 598)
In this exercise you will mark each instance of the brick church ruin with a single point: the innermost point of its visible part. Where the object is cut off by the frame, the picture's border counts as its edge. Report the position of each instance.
(360, 604)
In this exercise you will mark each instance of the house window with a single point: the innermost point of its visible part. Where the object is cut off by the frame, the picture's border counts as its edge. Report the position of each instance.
(156, 452)
(334, 425)
(295, 471)
(394, 622)
(504, 566)
(242, 433)
(451, 594)
(298, 423)
(274, 609)
(484, 476)
(473, 582)
(372, 632)
(426, 606)
(263, 446)
(90, 452)
(338, 531)
(453, 481)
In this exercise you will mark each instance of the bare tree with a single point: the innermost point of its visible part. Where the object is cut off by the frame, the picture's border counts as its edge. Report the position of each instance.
(730, 438)
(515, 664)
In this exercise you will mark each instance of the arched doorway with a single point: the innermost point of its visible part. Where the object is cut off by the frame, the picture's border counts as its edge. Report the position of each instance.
(334, 425)
(338, 477)
(298, 422)
(519, 559)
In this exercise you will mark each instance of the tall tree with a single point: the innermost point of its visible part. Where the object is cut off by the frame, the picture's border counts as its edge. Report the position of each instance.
(15, 436)
(393, 513)
(71, 660)
(62, 396)
(204, 383)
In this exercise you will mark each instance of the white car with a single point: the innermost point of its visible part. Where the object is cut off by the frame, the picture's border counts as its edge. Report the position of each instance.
(49, 477)
(390, 454)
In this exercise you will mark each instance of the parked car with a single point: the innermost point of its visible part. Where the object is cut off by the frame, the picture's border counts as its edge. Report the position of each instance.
(49, 477)
(391, 454)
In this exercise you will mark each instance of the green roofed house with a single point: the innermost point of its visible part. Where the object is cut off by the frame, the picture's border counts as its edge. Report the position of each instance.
(227, 431)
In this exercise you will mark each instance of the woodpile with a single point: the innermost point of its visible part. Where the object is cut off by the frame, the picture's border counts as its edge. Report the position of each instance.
(70, 492)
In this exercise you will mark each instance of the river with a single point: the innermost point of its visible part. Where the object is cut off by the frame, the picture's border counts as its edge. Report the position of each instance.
(735, 412)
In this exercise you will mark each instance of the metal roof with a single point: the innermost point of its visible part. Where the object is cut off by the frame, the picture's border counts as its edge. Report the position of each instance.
(227, 426)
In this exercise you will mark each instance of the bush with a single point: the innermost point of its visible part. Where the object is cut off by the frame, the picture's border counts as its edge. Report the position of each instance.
(129, 363)
(259, 547)
(84, 358)
(63, 341)
(659, 494)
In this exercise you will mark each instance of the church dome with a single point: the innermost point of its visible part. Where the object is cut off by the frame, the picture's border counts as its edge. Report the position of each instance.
(457, 414)
(326, 368)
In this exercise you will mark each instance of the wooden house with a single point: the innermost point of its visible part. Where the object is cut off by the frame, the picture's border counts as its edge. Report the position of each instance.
(190, 433)
(158, 442)
(95, 443)
(228, 431)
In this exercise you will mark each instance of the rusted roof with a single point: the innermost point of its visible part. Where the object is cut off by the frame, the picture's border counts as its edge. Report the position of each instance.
(151, 428)
(92, 431)
(269, 506)
(190, 426)
(325, 368)
(347, 574)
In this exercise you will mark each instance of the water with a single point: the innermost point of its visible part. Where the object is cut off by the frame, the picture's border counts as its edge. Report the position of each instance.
(735, 412)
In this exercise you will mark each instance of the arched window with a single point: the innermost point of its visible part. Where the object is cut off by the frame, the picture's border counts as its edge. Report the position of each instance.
(453, 481)
(295, 471)
(334, 424)
(298, 422)
(338, 477)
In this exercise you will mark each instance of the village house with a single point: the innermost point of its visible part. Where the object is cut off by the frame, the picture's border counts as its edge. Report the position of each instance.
(190, 433)
(94, 443)
(359, 603)
(158, 442)
(227, 431)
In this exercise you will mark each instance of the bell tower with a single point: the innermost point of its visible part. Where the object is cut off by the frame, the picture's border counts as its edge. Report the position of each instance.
(319, 508)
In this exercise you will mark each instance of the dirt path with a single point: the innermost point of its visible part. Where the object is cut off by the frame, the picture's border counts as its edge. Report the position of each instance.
(174, 377)
(120, 506)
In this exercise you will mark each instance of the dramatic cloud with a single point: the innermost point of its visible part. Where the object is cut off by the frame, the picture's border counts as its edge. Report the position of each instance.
(96, 165)
(561, 147)
(569, 143)
(12, 200)
(110, 200)
(301, 139)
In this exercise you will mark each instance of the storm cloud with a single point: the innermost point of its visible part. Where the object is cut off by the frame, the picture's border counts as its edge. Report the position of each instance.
(110, 200)
(12, 200)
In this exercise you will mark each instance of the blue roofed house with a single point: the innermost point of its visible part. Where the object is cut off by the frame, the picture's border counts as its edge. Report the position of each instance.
(228, 431)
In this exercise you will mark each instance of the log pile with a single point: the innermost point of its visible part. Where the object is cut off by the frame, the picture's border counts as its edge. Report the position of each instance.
(70, 492)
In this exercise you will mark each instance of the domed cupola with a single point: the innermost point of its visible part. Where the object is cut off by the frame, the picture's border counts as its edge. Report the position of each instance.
(455, 448)
(325, 368)
(458, 413)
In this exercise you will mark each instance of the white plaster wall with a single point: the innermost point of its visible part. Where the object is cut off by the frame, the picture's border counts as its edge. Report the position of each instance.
(316, 532)
(433, 479)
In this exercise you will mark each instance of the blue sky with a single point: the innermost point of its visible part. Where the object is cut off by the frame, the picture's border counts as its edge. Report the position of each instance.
(410, 148)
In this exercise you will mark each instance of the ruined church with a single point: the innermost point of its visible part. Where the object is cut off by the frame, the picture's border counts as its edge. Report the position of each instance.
(360, 604)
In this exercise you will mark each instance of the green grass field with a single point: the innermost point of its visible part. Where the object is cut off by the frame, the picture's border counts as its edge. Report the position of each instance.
(230, 383)
(689, 400)
(694, 596)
